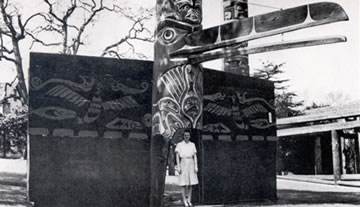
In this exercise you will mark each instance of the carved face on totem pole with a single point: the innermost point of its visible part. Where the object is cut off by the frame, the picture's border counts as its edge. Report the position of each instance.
(178, 100)
(188, 11)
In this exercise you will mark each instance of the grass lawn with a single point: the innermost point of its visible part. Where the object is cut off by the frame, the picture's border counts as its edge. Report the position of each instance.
(13, 183)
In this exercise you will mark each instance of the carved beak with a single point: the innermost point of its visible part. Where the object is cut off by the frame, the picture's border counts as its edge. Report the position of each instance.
(212, 41)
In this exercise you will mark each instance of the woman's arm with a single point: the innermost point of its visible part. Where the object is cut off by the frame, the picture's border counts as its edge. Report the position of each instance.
(196, 163)
(178, 162)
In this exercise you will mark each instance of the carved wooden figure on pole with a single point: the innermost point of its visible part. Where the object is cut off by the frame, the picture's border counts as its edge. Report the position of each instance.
(177, 86)
(181, 45)
(236, 9)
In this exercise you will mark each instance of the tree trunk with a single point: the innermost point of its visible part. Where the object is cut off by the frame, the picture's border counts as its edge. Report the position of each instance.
(20, 72)
(65, 37)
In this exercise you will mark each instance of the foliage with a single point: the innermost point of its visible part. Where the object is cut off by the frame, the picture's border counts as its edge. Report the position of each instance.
(13, 133)
(285, 103)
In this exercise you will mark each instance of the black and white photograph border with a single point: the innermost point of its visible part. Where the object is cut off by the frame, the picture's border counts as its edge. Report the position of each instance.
(95, 96)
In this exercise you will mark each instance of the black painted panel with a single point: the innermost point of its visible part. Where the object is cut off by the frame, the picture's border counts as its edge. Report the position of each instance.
(235, 171)
(90, 124)
(238, 105)
(238, 139)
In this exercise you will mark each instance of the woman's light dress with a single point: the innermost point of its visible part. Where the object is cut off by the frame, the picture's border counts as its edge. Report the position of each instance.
(187, 151)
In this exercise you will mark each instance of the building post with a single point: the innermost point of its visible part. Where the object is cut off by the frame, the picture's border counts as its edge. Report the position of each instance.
(318, 160)
(357, 148)
(177, 85)
(342, 155)
(336, 155)
(236, 9)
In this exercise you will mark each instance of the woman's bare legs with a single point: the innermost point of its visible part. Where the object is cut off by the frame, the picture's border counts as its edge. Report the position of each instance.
(189, 195)
(183, 193)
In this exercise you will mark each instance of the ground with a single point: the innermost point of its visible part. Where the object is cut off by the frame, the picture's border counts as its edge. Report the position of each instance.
(290, 192)
(13, 183)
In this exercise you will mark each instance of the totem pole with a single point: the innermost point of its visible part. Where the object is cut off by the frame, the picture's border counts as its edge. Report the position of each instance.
(236, 9)
(177, 86)
(181, 45)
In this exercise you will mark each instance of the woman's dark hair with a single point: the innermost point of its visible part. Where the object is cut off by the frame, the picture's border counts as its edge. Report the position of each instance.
(187, 130)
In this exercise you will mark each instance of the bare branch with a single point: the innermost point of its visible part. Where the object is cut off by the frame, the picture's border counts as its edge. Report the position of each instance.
(74, 27)
(114, 53)
(134, 32)
(51, 12)
(77, 40)
(7, 18)
(20, 35)
(47, 28)
(69, 11)
(37, 40)
(8, 58)
(121, 41)
(33, 16)
(3, 48)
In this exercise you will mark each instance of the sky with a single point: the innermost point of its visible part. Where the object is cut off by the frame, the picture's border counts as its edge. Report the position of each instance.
(314, 72)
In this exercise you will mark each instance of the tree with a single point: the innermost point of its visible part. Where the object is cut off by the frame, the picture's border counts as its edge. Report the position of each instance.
(71, 22)
(285, 103)
(12, 31)
(59, 21)
(138, 32)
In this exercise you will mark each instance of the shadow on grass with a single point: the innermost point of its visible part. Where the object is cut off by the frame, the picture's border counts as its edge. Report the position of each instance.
(172, 197)
(13, 190)
(12, 179)
(307, 197)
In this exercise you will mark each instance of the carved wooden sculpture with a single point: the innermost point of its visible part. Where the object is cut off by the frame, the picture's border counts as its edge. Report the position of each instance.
(181, 45)
(236, 9)
(177, 86)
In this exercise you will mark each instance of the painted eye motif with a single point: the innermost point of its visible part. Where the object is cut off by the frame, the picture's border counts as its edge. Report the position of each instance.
(55, 113)
(168, 35)
(186, 7)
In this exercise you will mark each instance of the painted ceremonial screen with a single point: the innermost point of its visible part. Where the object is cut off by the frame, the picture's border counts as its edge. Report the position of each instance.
(238, 141)
(90, 128)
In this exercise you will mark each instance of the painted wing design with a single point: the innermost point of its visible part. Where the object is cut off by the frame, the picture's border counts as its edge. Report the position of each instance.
(67, 94)
(217, 109)
(122, 103)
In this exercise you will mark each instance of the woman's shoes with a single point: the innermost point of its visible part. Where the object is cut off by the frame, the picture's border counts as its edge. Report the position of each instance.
(186, 204)
(189, 203)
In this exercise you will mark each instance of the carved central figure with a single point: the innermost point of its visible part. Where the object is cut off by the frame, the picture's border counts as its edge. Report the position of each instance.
(178, 99)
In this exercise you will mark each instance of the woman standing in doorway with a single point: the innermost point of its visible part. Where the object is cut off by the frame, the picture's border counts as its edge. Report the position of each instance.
(187, 166)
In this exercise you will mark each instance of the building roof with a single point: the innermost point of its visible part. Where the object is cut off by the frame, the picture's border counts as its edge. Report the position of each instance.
(321, 120)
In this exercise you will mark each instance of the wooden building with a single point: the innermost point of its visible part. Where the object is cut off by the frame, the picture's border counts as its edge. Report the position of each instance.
(327, 140)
